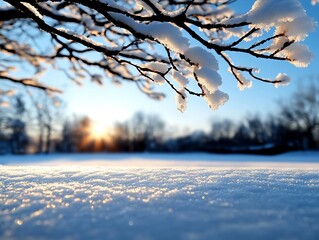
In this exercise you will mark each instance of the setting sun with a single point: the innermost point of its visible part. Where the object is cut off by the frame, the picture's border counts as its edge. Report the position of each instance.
(98, 130)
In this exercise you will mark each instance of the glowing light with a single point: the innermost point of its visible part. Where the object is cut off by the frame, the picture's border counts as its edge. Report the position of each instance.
(98, 130)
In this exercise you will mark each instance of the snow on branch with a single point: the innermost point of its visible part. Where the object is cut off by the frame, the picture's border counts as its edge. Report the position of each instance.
(154, 42)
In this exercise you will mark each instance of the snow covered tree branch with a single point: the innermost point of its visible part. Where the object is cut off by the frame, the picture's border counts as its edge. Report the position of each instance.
(177, 42)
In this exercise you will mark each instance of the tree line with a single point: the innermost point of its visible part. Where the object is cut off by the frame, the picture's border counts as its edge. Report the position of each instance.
(294, 126)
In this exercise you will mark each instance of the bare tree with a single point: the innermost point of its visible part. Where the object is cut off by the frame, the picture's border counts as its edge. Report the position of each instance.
(139, 133)
(47, 116)
(148, 41)
(13, 125)
(300, 115)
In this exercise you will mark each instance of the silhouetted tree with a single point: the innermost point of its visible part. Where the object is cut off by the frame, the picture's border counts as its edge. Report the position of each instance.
(13, 125)
(140, 133)
(300, 115)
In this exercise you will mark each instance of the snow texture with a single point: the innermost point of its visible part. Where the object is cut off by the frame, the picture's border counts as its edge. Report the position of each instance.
(179, 78)
(285, 80)
(208, 78)
(216, 99)
(201, 57)
(181, 102)
(160, 197)
(32, 9)
(156, 67)
(290, 19)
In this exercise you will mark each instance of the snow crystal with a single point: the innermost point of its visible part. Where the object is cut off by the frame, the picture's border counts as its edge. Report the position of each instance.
(216, 99)
(179, 78)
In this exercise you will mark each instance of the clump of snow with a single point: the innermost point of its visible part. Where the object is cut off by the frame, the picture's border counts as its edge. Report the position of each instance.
(244, 82)
(156, 67)
(285, 80)
(201, 57)
(314, 2)
(290, 19)
(268, 13)
(168, 34)
(181, 102)
(216, 99)
(296, 30)
(298, 54)
(4, 104)
(158, 79)
(179, 78)
(208, 78)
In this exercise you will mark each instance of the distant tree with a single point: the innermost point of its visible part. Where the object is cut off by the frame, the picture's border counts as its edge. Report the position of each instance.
(300, 116)
(148, 42)
(68, 142)
(47, 116)
(13, 125)
(140, 133)
(77, 136)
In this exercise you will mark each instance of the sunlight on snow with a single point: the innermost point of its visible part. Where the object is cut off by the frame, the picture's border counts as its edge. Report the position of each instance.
(86, 202)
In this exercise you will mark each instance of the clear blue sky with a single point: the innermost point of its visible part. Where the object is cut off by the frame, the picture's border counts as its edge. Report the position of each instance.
(111, 104)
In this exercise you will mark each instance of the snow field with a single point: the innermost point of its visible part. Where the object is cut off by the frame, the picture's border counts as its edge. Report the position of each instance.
(103, 202)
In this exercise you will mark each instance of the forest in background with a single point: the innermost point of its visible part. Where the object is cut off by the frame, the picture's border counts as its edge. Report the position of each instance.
(41, 127)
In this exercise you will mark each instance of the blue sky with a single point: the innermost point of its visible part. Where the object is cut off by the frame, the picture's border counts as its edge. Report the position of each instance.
(109, 103)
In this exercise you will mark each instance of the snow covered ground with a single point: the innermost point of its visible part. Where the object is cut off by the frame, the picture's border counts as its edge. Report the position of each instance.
(145, 196)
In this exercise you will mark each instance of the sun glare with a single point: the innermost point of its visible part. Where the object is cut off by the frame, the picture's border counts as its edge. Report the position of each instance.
(98, 130)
